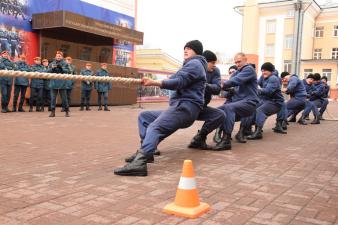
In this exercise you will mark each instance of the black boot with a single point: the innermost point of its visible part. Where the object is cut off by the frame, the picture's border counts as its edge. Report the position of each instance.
(240, 135)
(106, 108)
(52, 113)
(150, 159)
(292, 119)
(248, 131)
(224, 144)
(67, 113)
(157, 152)
(198, 141)
(257, 134)
(279, 128)
(100, 108)
(138, 167)
(316, 120)
(302, 120)
(14, 107)
(218, 135)
(285, 125)
(87, 107)
(321, 116)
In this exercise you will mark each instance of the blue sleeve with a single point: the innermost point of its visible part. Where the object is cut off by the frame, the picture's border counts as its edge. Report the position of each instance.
(247, 74)
(291, 85)
(187, 75)
(214, 87)
(318, 91)
(271, 87)
(260, 81)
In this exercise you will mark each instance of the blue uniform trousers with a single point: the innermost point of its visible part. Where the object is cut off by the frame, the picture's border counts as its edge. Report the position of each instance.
(63, 94)
(105, 98)
(46, 97)
(69, 96)
(213, 118)
(265, 109)
(17, 90)
(85, 97)
(311, 106)
(36, 95)
(283, 113)
(5, 94)
(295, 105)
(324, 103)
(236, 111)
(154, 126)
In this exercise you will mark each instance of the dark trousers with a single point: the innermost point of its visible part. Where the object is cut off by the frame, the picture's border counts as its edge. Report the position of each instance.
(311, 106)
(105, 98)
(295, 105)
(213, 118)
(235, 111)
(283, 113)
(36, 95)
(324, 103)
(17, 90)
(264, 110)
(85, 97)
(69, 96)
(5, 95)
(63, 94)
(154, 126)
(46, 97)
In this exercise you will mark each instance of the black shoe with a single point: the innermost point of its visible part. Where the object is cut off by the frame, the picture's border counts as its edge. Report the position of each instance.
(198, 141)
(218, 135)
(240, 135)
(138, 167)
(321, 117)
(157, 152)
(248, 131)
(279, 128)
(62, 110)
(81, 109)
(302, 121)
(106, 109)
(284, 125)
(14, 109)
(52, 113)
(224, 144)
(150, 159)
(257, 134)
(88, 109)
(21, 109)
(49, 109)
(99, 109)
(292, 119)
(316, 120)
(67, 113)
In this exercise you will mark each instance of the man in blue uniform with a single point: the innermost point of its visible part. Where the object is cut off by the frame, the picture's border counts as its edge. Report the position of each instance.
(6, 82)
(271, 98)
(185, 105)
(59, 65)
(20, 84)
(86, 87)
(243, 103)
(103, 88)
(324, 99)
(36, 87)
(70, 83)
(213, 117)
(46, 89)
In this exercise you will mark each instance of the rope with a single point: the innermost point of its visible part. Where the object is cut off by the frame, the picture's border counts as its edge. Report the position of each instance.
(115, 80)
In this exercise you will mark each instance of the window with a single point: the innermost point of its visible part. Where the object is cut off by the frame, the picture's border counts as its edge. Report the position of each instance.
(271, 26)
(287, 66)
(291, 13)
(317, 53)
(335, 53)
(327, 73)
(307, 72)
(335, 31)
(288, 41)
(270, 50)
(319, 32)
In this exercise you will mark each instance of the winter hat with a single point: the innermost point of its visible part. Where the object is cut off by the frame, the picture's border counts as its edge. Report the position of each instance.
(195, 45)
(284, 74)
(268, 66)
(209, 56)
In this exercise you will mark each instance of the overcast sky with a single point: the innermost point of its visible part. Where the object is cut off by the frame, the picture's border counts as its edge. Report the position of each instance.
(168, 25)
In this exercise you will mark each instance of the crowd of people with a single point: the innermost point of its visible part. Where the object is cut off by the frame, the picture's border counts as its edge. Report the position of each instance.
(44, 92)
(249, 100)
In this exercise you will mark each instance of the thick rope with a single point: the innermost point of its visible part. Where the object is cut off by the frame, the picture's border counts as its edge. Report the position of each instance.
(115, 80)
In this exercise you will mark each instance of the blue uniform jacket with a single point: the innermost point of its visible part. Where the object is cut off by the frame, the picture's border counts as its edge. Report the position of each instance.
(270, 89)
(213, 86)
(6, 64)
(58, 67)
(70, 83)
(317, 92)
(188, 82)
(22, 66)
(102, 86)
(86, 85)
(326, 91)
(245, 82)
(296, 88)
(37, 83)
(308, 88)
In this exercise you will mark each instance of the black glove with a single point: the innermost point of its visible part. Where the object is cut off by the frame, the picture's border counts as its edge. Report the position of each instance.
(230, 90)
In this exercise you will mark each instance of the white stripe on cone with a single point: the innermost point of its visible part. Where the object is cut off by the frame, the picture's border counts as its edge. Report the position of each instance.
(187, 183)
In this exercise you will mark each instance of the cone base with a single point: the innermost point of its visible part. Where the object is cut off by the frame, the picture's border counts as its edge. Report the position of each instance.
(186, 212)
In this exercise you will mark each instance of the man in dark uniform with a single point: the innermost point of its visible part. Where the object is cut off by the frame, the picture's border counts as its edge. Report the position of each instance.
(185, 106)
(20, 84)
(103, 88)
(271, 98)
(86, 87)
(243, 103)
(213, 117)
(59, 65)
(36, 87)
(324, 99)
(70, 83)
(46, 89)
(6, 82)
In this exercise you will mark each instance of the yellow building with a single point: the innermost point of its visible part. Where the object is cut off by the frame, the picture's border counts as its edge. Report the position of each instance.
(298, 36)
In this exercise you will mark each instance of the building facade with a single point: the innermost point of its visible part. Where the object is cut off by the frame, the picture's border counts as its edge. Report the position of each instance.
(298, 36)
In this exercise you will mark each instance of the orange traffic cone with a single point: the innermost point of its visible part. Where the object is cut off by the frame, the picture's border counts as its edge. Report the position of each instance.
(187, 203)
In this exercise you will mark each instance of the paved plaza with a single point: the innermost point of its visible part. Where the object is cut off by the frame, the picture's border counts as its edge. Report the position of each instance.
(58, 171)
